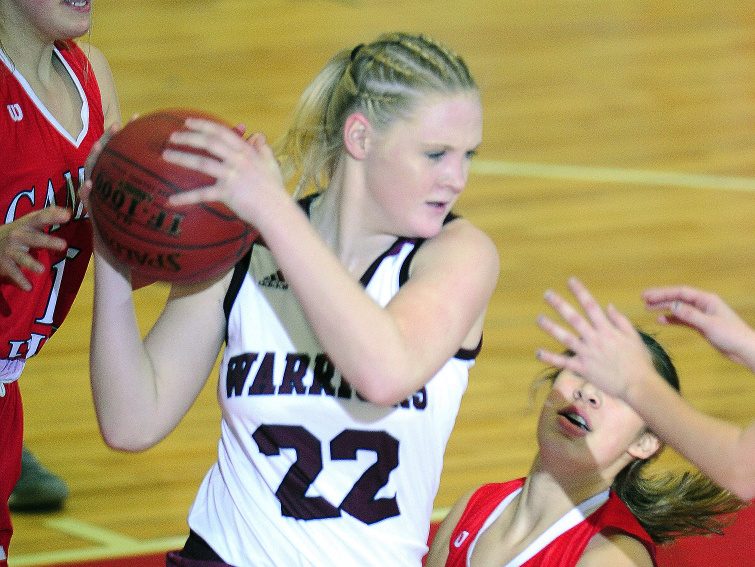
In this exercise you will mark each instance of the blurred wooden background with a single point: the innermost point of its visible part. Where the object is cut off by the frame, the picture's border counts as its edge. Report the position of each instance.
(619, 147)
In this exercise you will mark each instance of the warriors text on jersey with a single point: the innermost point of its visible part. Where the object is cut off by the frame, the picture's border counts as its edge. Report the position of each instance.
(560, 546)
(309, 474)
(42, 164)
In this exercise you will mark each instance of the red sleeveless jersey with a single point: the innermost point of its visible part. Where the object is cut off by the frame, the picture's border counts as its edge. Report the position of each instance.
(41, 164)
(563, 551)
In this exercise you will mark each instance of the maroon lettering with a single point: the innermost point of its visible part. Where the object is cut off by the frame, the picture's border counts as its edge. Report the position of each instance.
(291, 378)
(238, 370)
(361, 501)
(323, 372)
(263, 380)
(296, 367)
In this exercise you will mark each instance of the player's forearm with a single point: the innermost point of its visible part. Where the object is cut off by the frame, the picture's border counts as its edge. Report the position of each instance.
(715, 446)
(119, 368)
(360, 337)
(747, 351)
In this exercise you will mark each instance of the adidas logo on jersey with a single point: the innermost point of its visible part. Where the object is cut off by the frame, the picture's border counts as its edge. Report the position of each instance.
(275, 281)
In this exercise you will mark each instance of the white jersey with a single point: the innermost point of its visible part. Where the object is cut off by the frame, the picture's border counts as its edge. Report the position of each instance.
(307, 472)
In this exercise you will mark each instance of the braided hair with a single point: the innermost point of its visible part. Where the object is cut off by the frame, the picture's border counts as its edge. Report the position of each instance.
(384, 80)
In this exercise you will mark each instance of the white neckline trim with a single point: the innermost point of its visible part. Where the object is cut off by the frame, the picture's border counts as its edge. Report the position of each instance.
(43, 109)
(562, 525)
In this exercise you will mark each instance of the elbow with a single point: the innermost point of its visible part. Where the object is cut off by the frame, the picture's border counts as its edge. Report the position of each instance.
(378, 390)
(127, 439)
(380, 397)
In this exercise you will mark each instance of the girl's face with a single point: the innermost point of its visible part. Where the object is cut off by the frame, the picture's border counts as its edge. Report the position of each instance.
(57, 19)
(418, 167)
(580, 423)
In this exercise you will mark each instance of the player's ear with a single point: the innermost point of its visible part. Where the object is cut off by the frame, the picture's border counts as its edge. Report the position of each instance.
(356, 132)
(645, 446)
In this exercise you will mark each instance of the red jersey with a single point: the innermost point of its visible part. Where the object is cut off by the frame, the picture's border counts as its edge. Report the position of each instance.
(556, 548)
(42, 164)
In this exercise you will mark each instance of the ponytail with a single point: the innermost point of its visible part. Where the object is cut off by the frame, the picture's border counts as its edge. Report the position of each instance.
(383, 80)
(670, 506)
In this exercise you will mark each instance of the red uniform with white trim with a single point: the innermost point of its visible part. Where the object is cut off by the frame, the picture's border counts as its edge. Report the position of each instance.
(563, 550)
(41, 164)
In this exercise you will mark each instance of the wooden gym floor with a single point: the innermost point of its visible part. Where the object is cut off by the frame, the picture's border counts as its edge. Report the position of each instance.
(619, 147)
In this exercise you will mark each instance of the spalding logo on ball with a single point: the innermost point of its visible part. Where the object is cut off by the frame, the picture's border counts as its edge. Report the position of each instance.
(129, 203)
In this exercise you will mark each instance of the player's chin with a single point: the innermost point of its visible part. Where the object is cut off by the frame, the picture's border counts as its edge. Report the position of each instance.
(77, 29)
(427, 229)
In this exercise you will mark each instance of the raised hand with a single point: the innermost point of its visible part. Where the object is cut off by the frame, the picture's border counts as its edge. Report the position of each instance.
(708, 314)
(246, 171)
(20, 237)
(607, 349)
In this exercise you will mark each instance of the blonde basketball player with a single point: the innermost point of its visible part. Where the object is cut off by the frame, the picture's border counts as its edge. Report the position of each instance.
(349, 329)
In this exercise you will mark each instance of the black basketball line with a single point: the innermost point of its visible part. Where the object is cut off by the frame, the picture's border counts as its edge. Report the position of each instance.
(175, 245)
(197, 274)
(167, 183)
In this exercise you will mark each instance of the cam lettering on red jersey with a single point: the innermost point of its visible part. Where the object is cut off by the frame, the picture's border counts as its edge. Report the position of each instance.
(25, 200)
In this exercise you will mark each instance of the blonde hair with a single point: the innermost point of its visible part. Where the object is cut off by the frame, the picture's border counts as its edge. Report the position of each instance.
(383, 80)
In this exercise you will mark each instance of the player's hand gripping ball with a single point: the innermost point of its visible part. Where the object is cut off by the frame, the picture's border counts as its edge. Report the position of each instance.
(129, 203)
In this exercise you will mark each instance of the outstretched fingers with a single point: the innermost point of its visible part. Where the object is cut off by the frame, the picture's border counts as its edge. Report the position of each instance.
(619, 320)
(569, 314)
(9, 268)
(589, 304)
(19, 238)
(257, 140)
(560, 360)
(33, 233)
(561, 334)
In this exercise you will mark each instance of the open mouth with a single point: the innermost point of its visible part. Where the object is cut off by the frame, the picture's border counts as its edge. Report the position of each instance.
(77, 3)
(576, 419)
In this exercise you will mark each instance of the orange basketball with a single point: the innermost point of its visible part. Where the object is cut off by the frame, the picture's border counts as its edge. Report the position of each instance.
(129, 204)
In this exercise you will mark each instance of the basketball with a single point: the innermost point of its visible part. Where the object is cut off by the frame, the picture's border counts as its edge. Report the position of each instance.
(129, 204)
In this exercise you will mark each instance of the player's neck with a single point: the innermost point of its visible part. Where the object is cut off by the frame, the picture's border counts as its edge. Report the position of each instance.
(542, 504)
(29, 56)
(559, 491)
(342, 221)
